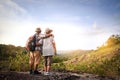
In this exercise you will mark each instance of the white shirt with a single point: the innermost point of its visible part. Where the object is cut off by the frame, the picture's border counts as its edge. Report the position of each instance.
(48, 49)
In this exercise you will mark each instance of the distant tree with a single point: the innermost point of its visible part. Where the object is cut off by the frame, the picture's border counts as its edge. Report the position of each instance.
(9, 50)
(113, 40)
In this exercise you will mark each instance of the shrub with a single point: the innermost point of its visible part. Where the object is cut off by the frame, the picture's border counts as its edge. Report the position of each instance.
(19, 63)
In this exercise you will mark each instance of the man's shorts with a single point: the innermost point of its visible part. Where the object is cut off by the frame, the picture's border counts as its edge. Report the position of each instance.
(35, 57)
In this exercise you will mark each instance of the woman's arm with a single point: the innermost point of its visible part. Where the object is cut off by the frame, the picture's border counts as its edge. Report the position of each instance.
(54, 46)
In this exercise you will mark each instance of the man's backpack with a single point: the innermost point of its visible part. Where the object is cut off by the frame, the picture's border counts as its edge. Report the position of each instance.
(32, 44)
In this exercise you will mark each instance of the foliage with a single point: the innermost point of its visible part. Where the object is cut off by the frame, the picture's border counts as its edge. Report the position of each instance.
(8, 52)
(109, 67)
(19, 63)
(58, 59)
(58, 66)
(113, 40)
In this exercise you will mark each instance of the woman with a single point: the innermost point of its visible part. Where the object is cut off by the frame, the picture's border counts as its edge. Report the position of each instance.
(49, 49)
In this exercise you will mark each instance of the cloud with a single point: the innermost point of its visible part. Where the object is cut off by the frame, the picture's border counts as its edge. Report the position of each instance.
(117, 5)
(10, 15)
(89, 2)
(62, 18)
(107, 29)
(14, 23)
(94, 30)
(8, 8)
(95, 25)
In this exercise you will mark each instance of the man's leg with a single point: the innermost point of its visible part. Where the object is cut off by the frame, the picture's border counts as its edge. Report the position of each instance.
(31, 61)
(37, 55)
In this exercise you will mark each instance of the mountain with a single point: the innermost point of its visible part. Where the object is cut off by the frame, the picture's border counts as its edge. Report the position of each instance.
(73, 53)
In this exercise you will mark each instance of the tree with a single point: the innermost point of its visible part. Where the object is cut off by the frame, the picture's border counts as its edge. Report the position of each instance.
(113, 40)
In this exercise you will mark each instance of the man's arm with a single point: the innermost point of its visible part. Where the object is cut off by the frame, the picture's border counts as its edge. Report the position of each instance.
(26, 46)
(48, 35)
(45, 35)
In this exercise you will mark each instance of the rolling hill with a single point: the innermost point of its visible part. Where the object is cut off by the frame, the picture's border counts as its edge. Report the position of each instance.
(103, 61)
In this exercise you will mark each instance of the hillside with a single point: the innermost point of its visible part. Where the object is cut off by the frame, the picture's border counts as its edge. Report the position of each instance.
(73, 53)
(103, 61)
(94, 55)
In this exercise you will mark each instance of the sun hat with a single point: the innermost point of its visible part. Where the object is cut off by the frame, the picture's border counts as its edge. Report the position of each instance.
(48, 30)
(37, 30)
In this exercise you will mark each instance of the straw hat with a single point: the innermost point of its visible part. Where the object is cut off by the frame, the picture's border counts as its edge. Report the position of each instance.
(38, 30)
(48, 30)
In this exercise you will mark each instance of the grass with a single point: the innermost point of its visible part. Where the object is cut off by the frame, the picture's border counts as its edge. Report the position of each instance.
(103, 61)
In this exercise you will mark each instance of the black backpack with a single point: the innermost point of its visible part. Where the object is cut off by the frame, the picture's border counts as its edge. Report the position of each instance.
(32, 44)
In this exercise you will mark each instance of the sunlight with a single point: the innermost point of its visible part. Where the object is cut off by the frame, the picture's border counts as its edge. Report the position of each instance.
(67, 36)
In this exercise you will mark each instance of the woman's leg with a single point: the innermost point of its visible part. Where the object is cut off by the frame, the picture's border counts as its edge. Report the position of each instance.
(45, 63)
(49, 61)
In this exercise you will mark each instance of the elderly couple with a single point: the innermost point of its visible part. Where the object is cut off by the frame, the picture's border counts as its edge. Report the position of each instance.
(45, 46)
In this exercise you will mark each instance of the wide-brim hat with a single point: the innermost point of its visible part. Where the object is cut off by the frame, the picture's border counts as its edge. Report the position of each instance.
(38, 30)
(48, 30)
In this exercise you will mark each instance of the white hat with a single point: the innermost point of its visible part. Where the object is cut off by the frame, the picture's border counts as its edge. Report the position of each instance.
(48, 30)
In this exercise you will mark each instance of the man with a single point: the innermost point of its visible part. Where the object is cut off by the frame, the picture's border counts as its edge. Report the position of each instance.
(36, 53)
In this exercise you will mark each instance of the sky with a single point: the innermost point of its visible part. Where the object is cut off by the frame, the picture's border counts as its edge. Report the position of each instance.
(76, 24)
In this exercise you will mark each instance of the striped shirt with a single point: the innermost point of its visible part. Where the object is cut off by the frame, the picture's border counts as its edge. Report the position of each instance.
(39, 40)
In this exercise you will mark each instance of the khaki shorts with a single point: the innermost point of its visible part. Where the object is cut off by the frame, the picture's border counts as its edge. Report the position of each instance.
(35, 57)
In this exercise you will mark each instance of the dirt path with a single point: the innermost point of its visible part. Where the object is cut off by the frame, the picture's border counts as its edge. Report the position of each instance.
(54, 76)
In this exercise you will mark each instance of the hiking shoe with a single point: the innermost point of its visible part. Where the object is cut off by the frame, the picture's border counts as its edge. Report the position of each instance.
(47, 73)
(36, 72)
(30, 72)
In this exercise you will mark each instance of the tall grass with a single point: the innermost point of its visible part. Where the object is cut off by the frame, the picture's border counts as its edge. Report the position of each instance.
(19, 63)
(101, 62)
